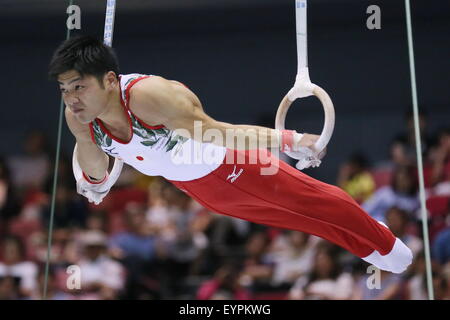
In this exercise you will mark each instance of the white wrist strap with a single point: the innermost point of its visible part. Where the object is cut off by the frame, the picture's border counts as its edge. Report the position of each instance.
(113, 176)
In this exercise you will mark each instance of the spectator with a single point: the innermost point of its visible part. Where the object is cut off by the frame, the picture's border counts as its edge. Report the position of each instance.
(38, 245)
(102, 277)
(224, 285)
(440, 286)
(97, 221)
(408, 138)
(29, 220)
(326, 281)
(388, 289)
(416, 287)
(65, 174)
(9, 288)
(257, 267)
(9, 206)
(53, 290)
(14, 264)
(399, 221)
(293, 259)
(137, 249)
(437, 172)
(138, 241)
(413, 286)
(441, 246)
(397, 156)
(189, 231)
(70, 209)
(227, 234)
(383, 170)
(186, 249)
(158, 213)
(355, 178)
(446, 275)
(30, 170)
(402, 193)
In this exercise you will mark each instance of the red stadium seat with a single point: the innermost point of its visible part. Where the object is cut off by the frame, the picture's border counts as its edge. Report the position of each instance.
(438, 205)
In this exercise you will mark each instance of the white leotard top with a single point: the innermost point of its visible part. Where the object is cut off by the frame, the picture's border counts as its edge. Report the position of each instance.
(156, 150)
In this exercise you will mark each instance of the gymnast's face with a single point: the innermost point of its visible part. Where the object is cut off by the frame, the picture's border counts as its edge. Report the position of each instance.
(84, 95)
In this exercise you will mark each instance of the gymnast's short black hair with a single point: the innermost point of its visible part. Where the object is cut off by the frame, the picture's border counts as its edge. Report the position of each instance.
(86, 55)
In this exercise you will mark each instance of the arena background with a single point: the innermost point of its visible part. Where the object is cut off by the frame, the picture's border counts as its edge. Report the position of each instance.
(239, 57)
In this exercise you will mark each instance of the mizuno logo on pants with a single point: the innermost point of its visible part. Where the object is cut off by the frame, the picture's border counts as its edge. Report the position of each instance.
(235, 175)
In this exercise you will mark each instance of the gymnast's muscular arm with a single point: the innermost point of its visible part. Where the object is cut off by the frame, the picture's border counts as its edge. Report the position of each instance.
(93, 161)
(156, 100)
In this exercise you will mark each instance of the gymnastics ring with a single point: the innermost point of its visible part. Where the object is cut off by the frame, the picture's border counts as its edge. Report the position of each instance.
(328, 127)
(304, 88)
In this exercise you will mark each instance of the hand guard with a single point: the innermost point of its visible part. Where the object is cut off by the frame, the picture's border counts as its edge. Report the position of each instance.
(308, 158)
(94, 192)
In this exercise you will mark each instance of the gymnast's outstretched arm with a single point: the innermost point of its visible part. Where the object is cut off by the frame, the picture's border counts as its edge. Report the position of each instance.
(157, 100)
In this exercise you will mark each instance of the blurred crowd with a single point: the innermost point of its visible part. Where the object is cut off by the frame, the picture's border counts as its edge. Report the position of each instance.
(148, 240)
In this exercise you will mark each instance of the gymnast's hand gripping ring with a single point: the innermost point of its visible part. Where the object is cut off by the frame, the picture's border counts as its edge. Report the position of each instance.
(308, 157)
(112, 177)
(303, 88)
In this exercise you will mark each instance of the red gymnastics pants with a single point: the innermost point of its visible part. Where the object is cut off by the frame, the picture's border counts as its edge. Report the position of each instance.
(288, 199)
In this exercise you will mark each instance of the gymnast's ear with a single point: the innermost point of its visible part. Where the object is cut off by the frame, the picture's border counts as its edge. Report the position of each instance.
(110, 80)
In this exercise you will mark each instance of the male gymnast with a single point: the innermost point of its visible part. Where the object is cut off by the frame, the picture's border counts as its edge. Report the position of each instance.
(150, 123)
